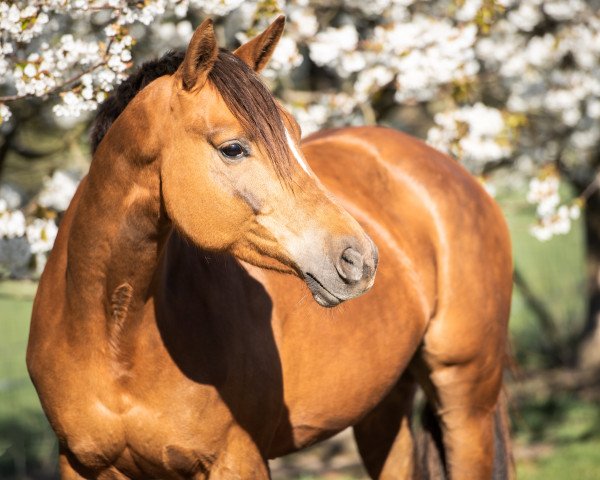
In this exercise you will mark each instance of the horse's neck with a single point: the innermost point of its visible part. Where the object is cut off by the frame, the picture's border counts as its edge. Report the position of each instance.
(118, 229)
(115, 239)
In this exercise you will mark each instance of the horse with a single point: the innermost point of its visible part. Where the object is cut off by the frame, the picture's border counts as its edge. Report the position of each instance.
(173, 333)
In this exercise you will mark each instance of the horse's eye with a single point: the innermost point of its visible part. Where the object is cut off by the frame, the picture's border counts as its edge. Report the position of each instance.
(233, 151)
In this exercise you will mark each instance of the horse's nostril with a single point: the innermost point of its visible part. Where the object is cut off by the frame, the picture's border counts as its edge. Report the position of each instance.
(350, 265)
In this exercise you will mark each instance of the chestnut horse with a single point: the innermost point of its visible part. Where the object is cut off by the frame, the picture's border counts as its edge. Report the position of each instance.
(172, 336)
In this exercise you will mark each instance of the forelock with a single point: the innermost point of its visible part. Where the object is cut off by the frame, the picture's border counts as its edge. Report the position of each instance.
(250, 101)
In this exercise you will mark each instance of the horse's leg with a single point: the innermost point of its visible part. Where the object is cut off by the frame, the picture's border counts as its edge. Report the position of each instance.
(464, 397)
(504, 465)
(67, 472)
(70, 468)
(384, 437)
(240, 460)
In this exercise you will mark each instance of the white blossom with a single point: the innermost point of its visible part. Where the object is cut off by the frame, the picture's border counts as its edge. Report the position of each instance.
(553, 218)
(11, 195)
(12, 223)
(285, 58)
(41, 234)
(425, 53)
(562, 10)
(468, 10)
(58, 190)
(330, 44)
(371, 80)
(303, 21)
(543, 192)
(526, 16)
(557, 223)
(475, 134)
(5, 113)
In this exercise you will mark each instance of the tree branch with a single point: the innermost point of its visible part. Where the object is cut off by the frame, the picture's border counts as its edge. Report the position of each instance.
(546, 383)
(497, 165)
(74, 78)
(542, 313)
(29, 154)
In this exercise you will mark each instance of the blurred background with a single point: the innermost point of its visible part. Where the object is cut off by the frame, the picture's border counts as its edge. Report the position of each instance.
(511, 89)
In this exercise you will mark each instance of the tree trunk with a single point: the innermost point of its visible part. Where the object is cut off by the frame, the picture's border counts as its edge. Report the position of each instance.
(553, 348)
(5, 145)
(589, 345)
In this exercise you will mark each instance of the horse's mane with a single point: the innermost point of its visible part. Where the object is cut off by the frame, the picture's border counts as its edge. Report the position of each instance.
(242, 90)
(112, 107)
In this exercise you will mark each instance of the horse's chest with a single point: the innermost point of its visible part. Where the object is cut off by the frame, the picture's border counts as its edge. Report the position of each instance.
(172, 441)
(166, 442)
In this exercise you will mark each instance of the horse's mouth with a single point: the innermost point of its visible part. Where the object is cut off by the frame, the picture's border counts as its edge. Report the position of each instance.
(321, 295)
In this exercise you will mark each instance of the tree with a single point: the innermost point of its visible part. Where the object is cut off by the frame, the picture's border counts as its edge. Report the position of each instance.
(499, 84)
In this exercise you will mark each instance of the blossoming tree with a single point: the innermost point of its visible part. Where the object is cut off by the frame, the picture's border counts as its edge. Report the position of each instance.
(495, 83)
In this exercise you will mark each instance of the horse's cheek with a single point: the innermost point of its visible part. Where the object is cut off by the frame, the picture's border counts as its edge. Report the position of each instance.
(201, 206)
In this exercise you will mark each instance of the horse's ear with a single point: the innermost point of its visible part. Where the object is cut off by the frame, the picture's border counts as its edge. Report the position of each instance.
(257, 52)
(200, 56)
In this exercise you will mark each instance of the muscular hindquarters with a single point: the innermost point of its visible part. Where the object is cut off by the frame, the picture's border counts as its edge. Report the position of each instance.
(463, 352)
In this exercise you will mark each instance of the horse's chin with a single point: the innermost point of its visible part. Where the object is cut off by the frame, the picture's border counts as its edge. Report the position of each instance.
(327, 301)
(322, 295)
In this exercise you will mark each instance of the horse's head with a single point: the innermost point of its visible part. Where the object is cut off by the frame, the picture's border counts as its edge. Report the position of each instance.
(234, 179)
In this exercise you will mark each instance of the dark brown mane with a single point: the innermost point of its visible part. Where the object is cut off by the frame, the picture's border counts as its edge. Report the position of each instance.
(112, 107)
(241, 88)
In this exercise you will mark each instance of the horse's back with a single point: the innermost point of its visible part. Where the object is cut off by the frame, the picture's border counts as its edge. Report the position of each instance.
(375, 162)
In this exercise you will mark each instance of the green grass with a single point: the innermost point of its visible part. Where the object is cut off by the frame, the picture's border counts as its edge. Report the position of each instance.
(27, 445)
(559, 418)
(558, 437)
(580, 461)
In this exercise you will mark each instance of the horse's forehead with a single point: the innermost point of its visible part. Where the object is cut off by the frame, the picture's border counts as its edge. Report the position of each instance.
(209, 104)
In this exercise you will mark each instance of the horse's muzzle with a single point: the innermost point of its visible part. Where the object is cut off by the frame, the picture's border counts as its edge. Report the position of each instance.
(347, 272)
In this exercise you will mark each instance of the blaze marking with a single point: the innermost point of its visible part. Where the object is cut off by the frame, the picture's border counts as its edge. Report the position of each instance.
(296, 153)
